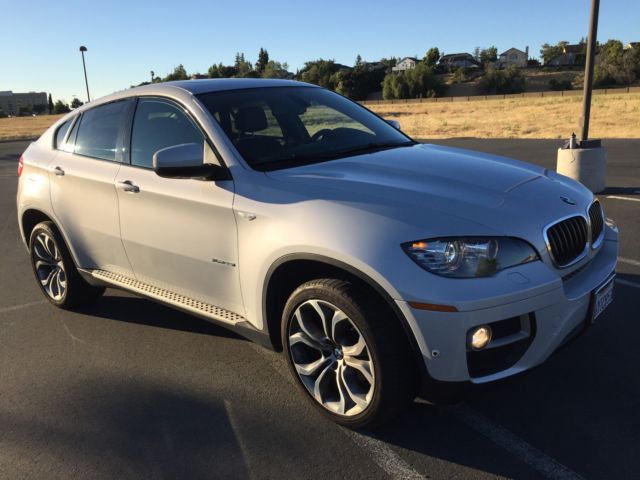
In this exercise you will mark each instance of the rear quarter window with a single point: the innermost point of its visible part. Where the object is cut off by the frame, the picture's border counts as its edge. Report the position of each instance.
(61, 133)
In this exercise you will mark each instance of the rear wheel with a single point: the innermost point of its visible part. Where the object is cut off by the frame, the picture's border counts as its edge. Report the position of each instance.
(55, 271)
(348, 353)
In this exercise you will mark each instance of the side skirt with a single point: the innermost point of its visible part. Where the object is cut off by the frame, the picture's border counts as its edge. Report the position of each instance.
(219, 316)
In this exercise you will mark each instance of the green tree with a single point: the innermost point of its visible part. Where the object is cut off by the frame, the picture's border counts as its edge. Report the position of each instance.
(358, 60)
(243, 66)
(432, 57)
(60, 107)
(179, 73)
(50, 104)
(75, 103)
(320, 72)
(488, 55)
(222, 71)
(549, 52)
(263, 60)
(616, 66)
(275, 69)
(415, 83)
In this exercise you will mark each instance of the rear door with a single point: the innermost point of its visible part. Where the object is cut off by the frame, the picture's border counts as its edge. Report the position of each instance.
(179, 234)
(82, 186)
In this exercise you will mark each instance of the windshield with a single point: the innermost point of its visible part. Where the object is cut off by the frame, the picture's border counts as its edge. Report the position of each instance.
(283, 127)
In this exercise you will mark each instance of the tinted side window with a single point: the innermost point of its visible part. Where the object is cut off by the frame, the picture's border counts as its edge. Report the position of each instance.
(100, 130)
(159, 124)
(62, 131)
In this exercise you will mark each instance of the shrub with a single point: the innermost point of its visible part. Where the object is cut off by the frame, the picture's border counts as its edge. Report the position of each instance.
(560, 84)
(501, 81)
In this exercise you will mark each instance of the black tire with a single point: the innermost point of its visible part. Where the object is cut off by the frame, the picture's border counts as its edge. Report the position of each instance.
(395, 373)
(75, 291)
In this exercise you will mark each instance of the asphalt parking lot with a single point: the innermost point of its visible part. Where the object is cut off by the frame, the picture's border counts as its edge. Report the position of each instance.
(130, 389)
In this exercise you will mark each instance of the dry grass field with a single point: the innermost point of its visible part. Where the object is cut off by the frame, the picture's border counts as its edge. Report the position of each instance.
(17, 128)
(612, 116)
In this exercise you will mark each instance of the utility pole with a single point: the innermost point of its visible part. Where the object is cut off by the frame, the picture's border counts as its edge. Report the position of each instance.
(588, 70)
(586, 160)
(86, 82)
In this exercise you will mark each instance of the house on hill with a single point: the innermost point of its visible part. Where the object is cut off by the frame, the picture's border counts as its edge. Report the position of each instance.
(407, 63)
(458, 60)
(632, 45)
(513, 56)
(571, 56)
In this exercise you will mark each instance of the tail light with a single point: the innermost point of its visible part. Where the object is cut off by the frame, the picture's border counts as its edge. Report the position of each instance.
(20, 166)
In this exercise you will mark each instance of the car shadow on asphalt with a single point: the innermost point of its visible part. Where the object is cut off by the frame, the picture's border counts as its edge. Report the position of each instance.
(131, 309)
(115, 427)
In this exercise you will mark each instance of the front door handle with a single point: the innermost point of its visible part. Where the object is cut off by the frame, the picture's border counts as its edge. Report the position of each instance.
(58, 171)
(128, 186)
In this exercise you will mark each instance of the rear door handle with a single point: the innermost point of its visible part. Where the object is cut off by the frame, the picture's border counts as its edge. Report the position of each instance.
(128, 186)
(58, 171)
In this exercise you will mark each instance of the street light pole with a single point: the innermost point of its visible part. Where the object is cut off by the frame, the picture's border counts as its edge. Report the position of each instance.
(588, 70)
(86, 82)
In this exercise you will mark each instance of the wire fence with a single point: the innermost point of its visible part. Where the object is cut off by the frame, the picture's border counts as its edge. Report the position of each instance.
(470, 98)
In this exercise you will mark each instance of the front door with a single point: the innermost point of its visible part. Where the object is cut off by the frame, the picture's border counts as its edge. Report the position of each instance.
(179, 234)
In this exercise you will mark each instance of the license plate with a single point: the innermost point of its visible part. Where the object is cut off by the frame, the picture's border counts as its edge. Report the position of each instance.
(602, 298)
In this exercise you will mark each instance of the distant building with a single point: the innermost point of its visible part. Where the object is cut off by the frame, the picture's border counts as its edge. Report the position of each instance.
(631, 45)
(513, 56)
(407, 63)
(13, 103)
(458, 60)
(198, 76)
(571, 56)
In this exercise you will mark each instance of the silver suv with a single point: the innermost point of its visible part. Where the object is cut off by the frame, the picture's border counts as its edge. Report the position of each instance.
(382, 267)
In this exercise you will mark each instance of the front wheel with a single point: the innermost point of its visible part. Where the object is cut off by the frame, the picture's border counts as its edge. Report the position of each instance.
(348, 353)
(55, 271)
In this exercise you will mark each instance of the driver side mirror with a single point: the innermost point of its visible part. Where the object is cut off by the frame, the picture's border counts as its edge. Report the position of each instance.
(394, 123)
(186, 161)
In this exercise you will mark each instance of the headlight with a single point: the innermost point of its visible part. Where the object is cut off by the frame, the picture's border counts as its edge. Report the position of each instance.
(467, 257)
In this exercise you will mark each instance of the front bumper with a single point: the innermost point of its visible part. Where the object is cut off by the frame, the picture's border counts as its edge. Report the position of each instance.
(548, 319)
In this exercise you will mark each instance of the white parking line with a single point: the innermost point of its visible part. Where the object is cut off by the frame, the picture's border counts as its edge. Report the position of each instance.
(615, 197)
(20, 307)
(629, 261)
(384, 457)
(513, 444)
(627, 283)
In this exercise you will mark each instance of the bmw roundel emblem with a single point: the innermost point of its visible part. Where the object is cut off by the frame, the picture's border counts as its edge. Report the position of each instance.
(568, 200)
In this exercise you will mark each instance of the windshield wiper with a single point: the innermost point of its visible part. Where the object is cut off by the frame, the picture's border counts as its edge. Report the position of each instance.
(370, 147)
(297, 159)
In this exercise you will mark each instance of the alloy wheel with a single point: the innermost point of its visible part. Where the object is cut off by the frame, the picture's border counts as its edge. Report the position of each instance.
(49, 267)
(331, 357)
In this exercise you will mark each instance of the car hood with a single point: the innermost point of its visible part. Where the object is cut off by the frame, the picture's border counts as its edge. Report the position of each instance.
(506, 196)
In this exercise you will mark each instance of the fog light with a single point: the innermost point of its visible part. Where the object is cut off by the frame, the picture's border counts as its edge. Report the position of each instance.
(480, 337)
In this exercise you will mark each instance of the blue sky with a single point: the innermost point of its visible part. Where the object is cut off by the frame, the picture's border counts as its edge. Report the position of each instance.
(39, 39)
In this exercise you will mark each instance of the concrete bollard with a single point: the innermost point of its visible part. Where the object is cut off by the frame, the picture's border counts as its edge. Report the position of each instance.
(586, 165)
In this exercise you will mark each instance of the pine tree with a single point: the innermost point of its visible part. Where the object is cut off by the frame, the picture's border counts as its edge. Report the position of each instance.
(263, 60)
(50, 104)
